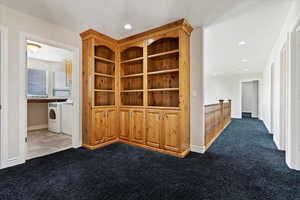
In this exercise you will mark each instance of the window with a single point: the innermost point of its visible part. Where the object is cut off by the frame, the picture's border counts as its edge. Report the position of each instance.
(37, 82)
(60, 88)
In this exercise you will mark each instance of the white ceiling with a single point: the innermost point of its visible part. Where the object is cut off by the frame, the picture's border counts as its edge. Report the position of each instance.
(259, 25)
(49, 53)
(258, 22)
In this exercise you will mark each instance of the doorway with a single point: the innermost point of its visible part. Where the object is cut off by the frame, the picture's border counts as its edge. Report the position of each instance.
(48, 86)
(49, 99)
(272, 95)
(3, 95)
(250, 99)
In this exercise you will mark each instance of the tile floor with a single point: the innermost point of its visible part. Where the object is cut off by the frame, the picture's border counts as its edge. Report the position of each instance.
(44, 142)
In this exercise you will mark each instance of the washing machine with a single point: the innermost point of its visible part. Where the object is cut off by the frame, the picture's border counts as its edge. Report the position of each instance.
(54, 117)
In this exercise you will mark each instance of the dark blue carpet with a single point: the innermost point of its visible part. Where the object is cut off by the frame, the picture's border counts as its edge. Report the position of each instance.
(242, 164)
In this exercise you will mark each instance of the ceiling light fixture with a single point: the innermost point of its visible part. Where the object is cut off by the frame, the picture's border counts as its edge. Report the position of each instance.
(127, 26)
(33, 48)
(242, 43)
(244, 60)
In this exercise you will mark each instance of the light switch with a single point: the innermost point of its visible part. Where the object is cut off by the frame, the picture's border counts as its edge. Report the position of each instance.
(195, 93)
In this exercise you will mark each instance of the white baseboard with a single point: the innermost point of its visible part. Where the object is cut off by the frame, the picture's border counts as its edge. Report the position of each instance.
(277, 144)
(293, 166)
(236, 116)
(37, 127)
(13, 162)
(267, 126)
(197, 149)
(77, 146)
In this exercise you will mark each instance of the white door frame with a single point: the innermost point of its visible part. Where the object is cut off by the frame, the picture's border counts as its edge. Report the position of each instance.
(76, 75)
(4, 96)
(284, 73)
(293, 137)
(272, 113)
(259, 95)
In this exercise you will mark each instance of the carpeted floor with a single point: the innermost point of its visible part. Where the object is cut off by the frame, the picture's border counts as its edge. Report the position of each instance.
(242, 164)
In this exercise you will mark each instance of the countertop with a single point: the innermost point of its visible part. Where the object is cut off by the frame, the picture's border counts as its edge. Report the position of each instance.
(45, 99)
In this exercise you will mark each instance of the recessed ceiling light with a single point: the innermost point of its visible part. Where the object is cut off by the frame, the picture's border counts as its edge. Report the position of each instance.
(242, 43)
(128, 26)
(244, 60)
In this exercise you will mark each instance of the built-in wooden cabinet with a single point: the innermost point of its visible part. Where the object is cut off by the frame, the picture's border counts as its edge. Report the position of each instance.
(112, 126)
(163, 129)
(137, 126)
(104, 125)
(136, 90)
(171, 131)
(99, 126)
(124, 124)
(153, 128)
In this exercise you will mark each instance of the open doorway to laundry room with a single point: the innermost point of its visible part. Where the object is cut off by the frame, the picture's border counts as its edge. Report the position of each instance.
(49, 99)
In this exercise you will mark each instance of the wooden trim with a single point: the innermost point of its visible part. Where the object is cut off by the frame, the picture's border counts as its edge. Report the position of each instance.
(104, 59)
(91, 33)
(179, 155)
(217, 135)
(182, 23)
(132, 75)
(163, 89)
(104, 75)
(162, 108)
(164, 53)
(132, 60)
(217, 118)
(97, 146)
(164, 71)
(127, 91)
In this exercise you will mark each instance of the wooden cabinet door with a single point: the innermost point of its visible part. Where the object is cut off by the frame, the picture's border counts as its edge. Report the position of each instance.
(171, 131)
(124, 124)
(112, 125)
(99, 126)
(137, 126)
(153, 128)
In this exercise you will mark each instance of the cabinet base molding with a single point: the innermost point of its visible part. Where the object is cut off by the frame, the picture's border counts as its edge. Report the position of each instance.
(94, 147)
(179, 155)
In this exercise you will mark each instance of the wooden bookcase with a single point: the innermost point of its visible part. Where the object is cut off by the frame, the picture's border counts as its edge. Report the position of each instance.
(136, 90)
(132, 76)
(104, 76)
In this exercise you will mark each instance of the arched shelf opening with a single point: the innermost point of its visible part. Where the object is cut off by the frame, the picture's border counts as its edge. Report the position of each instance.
(132, 53)
(163, 45)
(132, 90)
(105, 53)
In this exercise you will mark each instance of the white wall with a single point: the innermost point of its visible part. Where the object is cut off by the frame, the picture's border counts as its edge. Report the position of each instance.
(17, 22)
(274, 59)
(197, 99)
(227, 87)
(45, 65)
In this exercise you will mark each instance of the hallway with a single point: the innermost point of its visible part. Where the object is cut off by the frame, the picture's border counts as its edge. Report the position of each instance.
(242, 164)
